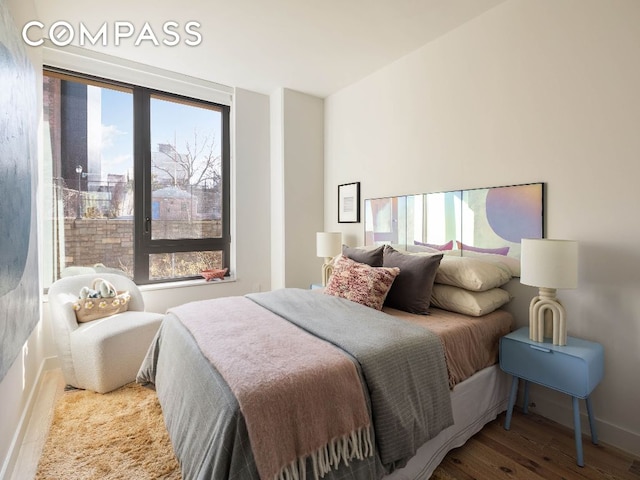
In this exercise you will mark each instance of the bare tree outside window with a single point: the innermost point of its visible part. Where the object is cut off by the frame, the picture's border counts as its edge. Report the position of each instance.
(198, 165)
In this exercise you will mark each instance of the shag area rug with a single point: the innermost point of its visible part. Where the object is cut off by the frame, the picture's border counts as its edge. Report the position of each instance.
(112, 436)
(117, 435)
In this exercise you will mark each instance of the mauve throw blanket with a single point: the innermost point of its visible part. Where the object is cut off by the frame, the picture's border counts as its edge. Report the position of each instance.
(401, 367)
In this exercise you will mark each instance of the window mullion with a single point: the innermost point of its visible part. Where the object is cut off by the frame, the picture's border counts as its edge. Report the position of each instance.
(142, 165)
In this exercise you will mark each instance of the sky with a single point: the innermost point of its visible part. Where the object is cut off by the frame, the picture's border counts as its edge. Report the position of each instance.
(170, 122)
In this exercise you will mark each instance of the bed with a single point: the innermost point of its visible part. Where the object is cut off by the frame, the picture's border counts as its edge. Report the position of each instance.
(477, 398)
(428, 383)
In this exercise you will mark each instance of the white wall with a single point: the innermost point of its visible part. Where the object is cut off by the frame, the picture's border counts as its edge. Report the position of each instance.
(533, 90)
(297, 187)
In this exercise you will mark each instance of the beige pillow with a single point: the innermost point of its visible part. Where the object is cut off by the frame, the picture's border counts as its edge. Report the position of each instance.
(471, 273)
(512, 263)
(456, 299)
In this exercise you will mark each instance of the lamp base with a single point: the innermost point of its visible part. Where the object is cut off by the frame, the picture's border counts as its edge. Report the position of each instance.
(327, 269)
(546, 313)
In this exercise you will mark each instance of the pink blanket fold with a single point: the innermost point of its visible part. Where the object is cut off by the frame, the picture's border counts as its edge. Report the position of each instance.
(300, 396)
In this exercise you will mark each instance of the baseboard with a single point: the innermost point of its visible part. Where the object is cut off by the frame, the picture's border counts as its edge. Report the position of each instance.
(560, 410)
(48, 363)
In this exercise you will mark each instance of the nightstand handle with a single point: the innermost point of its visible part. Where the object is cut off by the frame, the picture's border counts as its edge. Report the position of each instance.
(545, 350)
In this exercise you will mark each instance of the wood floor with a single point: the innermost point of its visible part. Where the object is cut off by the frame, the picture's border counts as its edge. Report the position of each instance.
(535, 448)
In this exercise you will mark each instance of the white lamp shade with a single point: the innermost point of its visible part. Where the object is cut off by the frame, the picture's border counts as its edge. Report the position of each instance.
(549, 263)
(328, 244)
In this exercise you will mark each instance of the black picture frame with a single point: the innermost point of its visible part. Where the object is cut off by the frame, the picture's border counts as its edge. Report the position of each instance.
(349, 203)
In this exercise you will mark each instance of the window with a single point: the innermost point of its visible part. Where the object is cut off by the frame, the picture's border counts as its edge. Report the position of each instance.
(139, 179)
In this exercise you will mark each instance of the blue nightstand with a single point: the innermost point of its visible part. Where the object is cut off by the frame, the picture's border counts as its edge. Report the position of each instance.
(575, 369)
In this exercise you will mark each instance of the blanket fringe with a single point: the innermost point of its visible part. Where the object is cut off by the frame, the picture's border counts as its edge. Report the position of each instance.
(354, 445)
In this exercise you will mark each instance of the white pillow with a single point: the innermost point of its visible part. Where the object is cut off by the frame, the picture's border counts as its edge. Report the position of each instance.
(472, 273)
(512, 263)
(456, 299)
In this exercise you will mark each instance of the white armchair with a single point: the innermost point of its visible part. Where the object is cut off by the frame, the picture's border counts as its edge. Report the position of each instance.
(103, 354)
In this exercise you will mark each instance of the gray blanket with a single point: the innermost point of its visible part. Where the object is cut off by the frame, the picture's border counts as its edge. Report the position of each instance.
(402, 367)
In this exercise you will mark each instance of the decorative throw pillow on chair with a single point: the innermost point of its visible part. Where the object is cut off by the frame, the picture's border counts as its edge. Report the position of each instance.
(99, 301)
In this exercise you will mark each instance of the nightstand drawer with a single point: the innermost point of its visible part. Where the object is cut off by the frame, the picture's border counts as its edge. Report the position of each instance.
(575, 368)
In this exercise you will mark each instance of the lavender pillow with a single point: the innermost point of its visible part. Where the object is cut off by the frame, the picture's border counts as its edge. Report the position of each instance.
(444, 246)
(497, 251)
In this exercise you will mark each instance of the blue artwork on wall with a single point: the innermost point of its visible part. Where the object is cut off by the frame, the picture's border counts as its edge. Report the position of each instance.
(19, 283)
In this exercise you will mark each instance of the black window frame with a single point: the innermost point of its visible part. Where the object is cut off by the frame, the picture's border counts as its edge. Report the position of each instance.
(143, 243)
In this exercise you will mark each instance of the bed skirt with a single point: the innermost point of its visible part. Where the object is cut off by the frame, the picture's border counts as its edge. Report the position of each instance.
(476, 401)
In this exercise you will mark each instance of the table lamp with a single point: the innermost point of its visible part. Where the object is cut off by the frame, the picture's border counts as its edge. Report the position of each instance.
(549, 265)
(328, 245)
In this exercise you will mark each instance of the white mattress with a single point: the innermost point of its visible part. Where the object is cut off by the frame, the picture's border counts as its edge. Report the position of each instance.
(476, 401)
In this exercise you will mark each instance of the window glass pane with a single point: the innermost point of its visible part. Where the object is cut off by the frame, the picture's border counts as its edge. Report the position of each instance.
(88, 146)
(386, 221)
(182, 264)
(89, 200)
(186, 170)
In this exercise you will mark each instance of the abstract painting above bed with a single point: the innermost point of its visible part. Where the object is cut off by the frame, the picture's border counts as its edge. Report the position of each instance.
(481, 221)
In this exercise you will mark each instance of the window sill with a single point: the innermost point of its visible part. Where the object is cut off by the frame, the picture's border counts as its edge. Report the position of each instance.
(165, 286)
(186, 283)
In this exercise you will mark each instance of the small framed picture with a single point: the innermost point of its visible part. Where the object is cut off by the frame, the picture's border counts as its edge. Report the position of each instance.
(349, 203)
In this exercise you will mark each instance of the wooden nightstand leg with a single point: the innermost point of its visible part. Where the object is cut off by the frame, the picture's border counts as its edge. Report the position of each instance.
(525, 405)
(577, 431)
(592, 423)
(512, 401)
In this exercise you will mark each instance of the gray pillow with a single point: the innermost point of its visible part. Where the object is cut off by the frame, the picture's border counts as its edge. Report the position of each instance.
(411, 290)
(362, 255)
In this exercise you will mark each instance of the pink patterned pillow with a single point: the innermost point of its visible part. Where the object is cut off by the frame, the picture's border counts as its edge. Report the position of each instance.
(360, 282)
